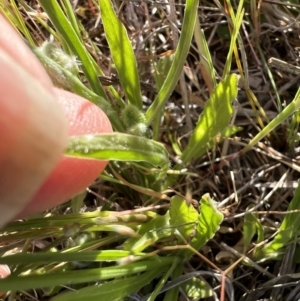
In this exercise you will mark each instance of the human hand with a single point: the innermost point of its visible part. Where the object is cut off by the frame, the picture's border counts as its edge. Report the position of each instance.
(35, 121)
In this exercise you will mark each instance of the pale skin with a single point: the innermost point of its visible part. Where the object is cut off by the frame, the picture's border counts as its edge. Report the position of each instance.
(35, 122)
(30, 148)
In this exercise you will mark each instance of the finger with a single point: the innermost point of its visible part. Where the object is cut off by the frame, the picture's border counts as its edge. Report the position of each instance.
(32, 132)
(12, 44)
(4, 272)
(72, 175)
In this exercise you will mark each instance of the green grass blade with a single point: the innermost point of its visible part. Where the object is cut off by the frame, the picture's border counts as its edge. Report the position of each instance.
(112, 290)
(206, 62)
(289, 228)
(35, 281)
(71, 16)
(39, 18)
(64, 27)
(163, 280)
(51, 257)
(11, 11)
(237, 22)
(120, 147)
(121, 52)
(288, 111)
(214, 119)
(161, 68)
(173, 293)
(293, 130)
(188, 24)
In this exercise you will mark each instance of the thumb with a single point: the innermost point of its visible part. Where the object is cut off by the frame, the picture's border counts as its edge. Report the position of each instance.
(33, 135)
(71, 175)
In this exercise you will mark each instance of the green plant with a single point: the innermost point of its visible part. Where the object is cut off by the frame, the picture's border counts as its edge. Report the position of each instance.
(132, 250)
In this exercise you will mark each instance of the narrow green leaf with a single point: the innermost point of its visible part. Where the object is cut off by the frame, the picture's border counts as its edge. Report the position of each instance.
(214, 118)
(50, 257)
(64, 27)
(289, 229)
(120, 147)
(205, 57)
(87, 218)
(112, 290)
(288, 111)
(13, 14)
(70, 12)
(163, 280)
(27, 282)
(237, 22)
(121, 52)
(161, 69)
(188, 24)
(293, 130)
(173, 293)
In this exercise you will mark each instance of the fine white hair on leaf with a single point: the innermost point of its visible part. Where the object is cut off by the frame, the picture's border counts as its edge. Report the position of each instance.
(66, 61)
